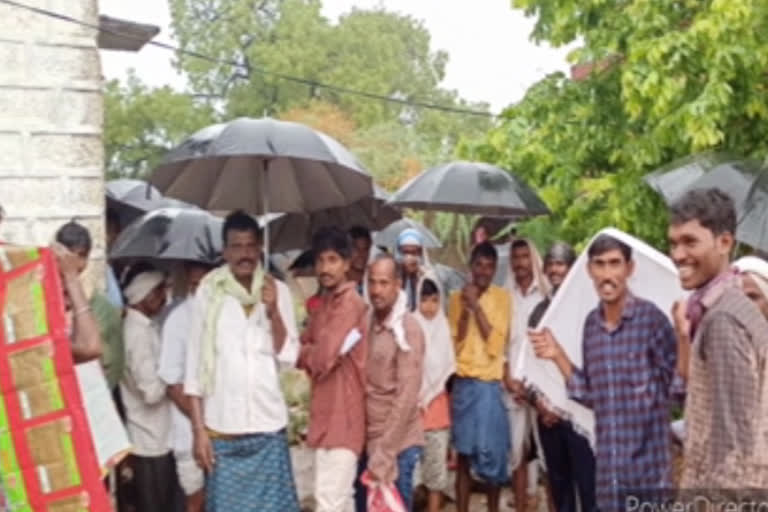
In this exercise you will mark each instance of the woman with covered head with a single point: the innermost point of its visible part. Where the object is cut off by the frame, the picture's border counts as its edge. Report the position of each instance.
(415, 264)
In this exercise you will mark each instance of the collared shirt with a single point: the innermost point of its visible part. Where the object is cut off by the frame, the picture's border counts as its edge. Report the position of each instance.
(245, 397)
(523, 303)
(476, 357)
(392, 400)
(726, 412)
(173, 358)
(626, 380)
(337, 406)
(147, 408)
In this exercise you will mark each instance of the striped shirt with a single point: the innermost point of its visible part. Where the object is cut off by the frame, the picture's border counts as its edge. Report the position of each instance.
(626, 380)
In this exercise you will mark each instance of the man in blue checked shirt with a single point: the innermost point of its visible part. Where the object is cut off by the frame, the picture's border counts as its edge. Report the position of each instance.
(630, 354)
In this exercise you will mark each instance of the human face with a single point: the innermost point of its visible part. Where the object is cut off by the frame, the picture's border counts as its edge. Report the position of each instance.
(331, 269)
(383, 285)
(483, 270)
(609, 272)
(522, 266)
(153, 304)
(195, 274)
(429, 306)
(556, 270)
(361, 250)
(755, 294)
(412, 255)
(698, 253)
(242, 252)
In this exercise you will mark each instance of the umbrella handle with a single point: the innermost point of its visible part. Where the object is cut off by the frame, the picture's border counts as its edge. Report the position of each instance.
(265, 204)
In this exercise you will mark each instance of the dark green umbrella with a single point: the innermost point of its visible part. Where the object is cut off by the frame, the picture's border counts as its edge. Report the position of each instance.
(746, 181)
(470, 188)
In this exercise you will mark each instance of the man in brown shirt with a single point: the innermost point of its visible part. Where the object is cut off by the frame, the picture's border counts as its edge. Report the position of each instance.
(333, 354)
(723, 347)
(394, 375)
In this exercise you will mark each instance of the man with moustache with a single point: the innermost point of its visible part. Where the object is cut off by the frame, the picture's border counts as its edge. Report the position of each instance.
(724, 347)
(333, 355)
(629, 353)
(243, 326)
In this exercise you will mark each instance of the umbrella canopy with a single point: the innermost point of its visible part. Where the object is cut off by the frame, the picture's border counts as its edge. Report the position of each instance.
(387, 237)
(470, 188)
(745, 181)
(262, 166)
(295, 230)
(171, 234)
(130, 199)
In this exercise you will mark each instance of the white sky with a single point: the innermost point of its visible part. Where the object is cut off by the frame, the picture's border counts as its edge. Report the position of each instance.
(491, 56)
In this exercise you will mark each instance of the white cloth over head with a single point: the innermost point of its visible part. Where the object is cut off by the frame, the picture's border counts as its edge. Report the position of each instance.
(757, 268)
(142, 285)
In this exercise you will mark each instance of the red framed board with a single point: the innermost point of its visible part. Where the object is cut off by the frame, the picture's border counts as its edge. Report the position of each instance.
(47, 457)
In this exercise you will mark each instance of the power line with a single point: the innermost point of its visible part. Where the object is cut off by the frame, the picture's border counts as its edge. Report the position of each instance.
(281, 76)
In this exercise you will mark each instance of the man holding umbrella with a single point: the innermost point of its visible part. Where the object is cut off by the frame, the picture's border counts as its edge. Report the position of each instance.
(243, 326)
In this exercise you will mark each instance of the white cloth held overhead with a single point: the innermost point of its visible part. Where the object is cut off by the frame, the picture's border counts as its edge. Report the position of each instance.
(142, 285)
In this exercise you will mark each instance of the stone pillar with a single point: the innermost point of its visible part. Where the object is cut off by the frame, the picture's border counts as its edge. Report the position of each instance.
(51, 112)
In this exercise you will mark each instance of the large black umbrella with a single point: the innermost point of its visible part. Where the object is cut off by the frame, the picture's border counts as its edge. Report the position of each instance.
(133, 198)
(746, 181)
(470, 188)
(295, 230)
(387, 237)
(171, 234)
(262, 166)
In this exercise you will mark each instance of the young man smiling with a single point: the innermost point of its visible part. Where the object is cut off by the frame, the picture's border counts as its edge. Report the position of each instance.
(629, 353)
(333, 354)
(724, 342)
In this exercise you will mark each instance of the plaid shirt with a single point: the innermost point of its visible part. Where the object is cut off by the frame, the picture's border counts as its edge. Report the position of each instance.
(626, 381)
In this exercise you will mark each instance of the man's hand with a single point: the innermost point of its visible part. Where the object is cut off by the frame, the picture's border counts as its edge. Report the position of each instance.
(680, 316)
(204, 451)
(67, 260)
(548, 418)
(269, 294)
(469, 296)
(516, 388)
(545, 345)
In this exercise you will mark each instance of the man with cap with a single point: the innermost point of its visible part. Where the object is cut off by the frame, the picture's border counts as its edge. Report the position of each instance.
(144, 393)
(568, 456)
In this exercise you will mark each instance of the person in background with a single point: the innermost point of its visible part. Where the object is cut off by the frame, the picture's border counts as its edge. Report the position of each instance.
(439, 366)
(72, 248)
(394, 376)
(333, 354)
(569, 458)
(479, 317)
(243, 326)
(754, 280)
(528, 286)
(723, 348)
(113, 292)
(173, 357)
(361, 255)
(413, 258)
(145, 396)
(630, 352)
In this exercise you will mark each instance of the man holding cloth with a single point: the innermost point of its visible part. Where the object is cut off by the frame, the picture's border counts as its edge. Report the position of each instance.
(479, 316)
(333, 355)
(244, 325)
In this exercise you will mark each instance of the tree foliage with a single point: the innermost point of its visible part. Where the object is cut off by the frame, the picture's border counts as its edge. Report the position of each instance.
(669, 78)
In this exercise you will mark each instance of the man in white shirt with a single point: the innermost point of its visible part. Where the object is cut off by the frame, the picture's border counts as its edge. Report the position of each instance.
(528, 286)
(243, 326)
(147, 407)
(173, 359)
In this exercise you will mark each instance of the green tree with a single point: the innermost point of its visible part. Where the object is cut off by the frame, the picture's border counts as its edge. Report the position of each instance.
(669, 78)
(141, 124)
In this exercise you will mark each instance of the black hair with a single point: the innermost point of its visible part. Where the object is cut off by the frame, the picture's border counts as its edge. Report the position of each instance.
(429, 288)
(605, 243)
(713, 208)
(360, 232)
(520, 244)
(385, 256)
(484, 250)
(331, 239)
(75, 237)
(240, 221)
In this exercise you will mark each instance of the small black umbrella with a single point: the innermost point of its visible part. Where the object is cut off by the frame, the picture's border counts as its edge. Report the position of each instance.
(746, 181)
(470, 188)
(387, 237)
(133, 198)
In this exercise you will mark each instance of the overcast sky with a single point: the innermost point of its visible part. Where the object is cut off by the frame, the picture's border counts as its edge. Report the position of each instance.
(491, 56)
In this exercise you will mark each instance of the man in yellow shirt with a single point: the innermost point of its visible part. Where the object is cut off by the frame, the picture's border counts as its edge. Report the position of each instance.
(479, 317)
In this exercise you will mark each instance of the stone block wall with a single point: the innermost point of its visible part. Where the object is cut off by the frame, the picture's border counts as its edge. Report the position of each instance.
(51, 112)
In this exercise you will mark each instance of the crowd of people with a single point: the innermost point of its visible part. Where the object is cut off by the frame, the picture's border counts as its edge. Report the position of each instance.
(406, 378)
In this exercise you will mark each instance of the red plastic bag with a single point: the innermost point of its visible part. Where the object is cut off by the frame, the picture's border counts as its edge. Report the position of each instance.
(382, 497)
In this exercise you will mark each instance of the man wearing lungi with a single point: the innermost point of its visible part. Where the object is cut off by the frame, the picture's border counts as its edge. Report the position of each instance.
(243, 325)
(479, 316)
